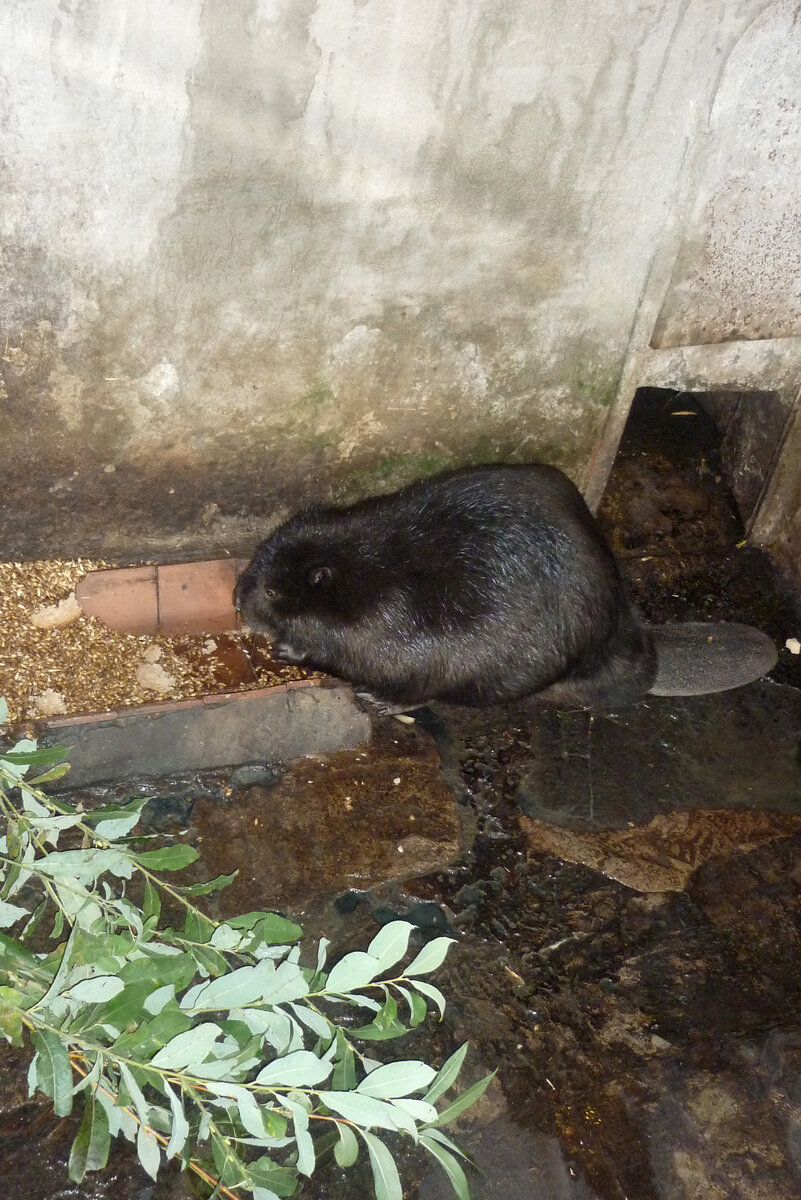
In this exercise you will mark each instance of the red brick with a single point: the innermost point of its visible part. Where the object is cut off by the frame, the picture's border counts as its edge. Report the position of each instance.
(83, 719)
(159, 706)
(123, 599)
(251, 694)
(239, 567)
(196, 597)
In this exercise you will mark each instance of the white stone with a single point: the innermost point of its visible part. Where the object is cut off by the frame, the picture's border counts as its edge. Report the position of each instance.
(53, 616)
(50, 703)
(154, 678)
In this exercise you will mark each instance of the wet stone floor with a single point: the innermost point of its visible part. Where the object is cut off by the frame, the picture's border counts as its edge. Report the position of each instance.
(625, 889)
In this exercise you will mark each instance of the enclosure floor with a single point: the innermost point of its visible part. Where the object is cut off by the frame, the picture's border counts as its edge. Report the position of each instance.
(646, 1033)
(625, 890)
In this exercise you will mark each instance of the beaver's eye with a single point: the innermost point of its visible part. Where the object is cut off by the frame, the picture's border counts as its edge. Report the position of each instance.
(269, 592)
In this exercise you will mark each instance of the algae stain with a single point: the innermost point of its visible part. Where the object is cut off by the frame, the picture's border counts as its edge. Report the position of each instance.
(411, 466)
(486, 449)
(319, 442)
(600, 392)
(392, 471)
(316, 396)
(300, 420)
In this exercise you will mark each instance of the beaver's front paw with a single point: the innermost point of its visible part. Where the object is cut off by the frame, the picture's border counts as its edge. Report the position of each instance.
(383, 708)
(283, 652)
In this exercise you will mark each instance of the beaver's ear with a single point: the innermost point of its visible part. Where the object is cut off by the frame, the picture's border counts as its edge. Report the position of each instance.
(320, 576)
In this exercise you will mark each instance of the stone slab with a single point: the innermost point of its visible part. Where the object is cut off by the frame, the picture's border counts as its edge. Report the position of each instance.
(278, 724)
(736, 749)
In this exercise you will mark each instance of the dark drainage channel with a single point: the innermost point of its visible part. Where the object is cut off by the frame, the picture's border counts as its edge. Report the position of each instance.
(679, 496)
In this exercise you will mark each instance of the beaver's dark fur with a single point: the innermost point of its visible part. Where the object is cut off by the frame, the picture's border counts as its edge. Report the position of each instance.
(476, 587)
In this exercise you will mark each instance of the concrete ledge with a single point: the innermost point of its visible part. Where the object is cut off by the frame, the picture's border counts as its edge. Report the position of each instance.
(269, 723)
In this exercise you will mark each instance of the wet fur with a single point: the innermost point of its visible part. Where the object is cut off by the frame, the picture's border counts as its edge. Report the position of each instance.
(475, 587)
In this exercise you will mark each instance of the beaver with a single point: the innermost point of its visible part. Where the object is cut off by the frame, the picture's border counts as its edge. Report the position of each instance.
(477, 587)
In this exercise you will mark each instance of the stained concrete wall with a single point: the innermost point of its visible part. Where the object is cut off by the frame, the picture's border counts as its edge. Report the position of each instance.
(261, 250)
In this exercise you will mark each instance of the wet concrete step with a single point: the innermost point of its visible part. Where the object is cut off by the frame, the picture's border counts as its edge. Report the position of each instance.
(283, 722)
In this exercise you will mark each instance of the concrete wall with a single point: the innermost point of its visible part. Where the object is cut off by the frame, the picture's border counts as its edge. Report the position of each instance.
(261, 250)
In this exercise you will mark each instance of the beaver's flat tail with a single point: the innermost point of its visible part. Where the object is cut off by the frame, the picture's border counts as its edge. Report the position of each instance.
(695, 657)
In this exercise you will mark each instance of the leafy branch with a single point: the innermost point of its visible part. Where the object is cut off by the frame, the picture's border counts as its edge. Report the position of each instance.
(211, 1043)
